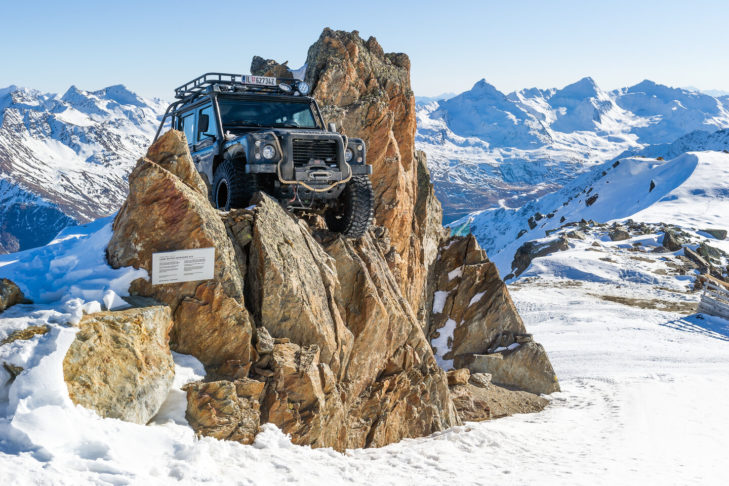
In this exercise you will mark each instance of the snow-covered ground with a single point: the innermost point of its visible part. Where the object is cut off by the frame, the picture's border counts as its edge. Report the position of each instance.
(643, 402)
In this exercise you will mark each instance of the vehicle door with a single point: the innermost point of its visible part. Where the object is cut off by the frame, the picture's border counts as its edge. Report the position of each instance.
(206, 134)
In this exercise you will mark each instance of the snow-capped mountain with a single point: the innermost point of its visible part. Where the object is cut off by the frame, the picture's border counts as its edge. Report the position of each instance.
(690, 190)
(65, 159)
(490, 149)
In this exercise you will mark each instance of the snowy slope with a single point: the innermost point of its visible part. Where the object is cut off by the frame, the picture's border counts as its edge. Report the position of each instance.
(489, 149)
(643, 401)
(691, 190)
(65, 159)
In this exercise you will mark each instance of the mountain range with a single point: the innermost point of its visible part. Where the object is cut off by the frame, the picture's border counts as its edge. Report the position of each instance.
(64, 159)
(491, 149)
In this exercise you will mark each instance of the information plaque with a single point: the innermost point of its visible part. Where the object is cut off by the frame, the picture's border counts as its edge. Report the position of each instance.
(183, 265)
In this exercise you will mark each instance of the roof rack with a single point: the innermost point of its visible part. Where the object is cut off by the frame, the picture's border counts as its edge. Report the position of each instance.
(231, 83)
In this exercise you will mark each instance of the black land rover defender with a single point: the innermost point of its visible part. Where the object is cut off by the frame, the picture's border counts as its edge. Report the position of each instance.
(257, 133)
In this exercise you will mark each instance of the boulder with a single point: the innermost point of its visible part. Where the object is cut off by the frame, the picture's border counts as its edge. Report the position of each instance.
(225, 409)
(10, 294)
(163, 213)
(458, 377)
(719, 234)
(672, 240)
(269, 67)
(535, 249)
(525, 367)
(171, 152)
(618, 234)
(475, 403)
(120, 363)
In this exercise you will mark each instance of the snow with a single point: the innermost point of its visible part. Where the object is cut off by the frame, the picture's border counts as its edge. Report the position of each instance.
(442, 344)
(439, 299)
(455, 273)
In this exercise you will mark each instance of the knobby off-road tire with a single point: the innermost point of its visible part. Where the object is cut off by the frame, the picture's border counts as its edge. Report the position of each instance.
(232, 187)
(353, 212)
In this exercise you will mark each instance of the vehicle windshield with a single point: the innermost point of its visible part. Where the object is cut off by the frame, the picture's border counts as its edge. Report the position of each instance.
(241, 113)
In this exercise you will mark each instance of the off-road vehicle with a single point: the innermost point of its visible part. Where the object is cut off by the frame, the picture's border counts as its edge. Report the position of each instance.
(259, 133)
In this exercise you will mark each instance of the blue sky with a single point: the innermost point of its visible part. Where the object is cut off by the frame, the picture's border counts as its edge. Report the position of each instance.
(153, 46)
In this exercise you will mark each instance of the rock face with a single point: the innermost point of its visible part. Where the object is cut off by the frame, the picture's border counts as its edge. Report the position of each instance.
(163, 212)
(473, 303)
(120, 363)
(225, 409)
(10, 294)
(469, 294)
(367, 93)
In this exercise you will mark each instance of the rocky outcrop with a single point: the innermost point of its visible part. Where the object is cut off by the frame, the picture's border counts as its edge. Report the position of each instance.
(163, 213)
(120, 363)
(470, 294)
(343, 357)
(472, 303)
(523, 366)
(10, 294)
(367, 93)
(325, 337)
(535, 249)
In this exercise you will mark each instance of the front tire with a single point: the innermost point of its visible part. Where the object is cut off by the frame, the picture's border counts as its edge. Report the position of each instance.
(232, 187)
(353, 211)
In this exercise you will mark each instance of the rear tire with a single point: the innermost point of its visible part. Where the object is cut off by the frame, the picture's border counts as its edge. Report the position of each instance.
(232, 187)
(352, 214)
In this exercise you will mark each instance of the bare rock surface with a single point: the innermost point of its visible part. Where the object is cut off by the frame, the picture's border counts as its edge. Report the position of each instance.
(225, 409)
(524, 366)
(120, 363)
(470, 292)
(475, 403)
(10, 294)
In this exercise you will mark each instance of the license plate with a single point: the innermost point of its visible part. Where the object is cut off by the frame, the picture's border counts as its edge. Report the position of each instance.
(259, 80)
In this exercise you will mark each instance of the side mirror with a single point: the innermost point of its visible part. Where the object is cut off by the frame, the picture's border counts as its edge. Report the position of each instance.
(203, 123)
(332, 127)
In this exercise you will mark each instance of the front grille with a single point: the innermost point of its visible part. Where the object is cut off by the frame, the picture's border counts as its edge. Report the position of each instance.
(305, 150)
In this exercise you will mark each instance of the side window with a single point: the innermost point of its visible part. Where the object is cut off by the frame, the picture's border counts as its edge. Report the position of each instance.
(206, 127)
(186, 124)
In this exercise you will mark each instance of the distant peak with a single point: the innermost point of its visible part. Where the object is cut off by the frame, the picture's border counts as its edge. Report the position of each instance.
(584, 88)
(121, 94)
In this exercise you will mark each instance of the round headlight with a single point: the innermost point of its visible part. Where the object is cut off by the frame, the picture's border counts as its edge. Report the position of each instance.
(268, 152)
(348, 154)
(303, 87)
